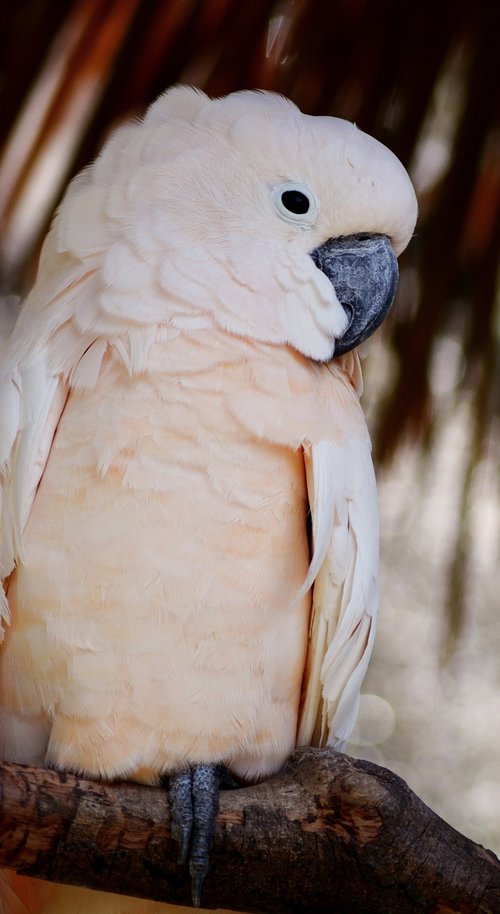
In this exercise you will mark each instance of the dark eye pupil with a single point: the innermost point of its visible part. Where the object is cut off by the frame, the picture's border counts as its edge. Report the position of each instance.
(295, 201)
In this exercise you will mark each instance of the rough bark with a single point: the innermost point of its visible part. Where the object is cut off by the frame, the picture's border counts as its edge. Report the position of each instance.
(328, 834)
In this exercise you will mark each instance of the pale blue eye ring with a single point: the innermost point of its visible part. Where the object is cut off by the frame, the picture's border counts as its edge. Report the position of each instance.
(295, 202)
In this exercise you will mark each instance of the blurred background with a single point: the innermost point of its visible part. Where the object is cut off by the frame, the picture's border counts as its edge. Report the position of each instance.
(424, 79)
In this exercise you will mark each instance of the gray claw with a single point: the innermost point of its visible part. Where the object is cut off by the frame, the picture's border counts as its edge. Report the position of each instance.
(197, 878)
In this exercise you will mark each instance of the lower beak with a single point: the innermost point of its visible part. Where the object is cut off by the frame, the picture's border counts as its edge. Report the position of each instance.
(364, 273)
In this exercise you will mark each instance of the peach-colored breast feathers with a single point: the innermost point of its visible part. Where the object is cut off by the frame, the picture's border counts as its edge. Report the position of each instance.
(188, 529)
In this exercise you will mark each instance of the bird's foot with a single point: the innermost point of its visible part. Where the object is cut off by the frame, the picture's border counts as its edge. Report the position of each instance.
(194, 803)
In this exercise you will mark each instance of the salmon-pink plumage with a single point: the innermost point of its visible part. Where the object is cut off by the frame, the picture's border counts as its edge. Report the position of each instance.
(169, 415)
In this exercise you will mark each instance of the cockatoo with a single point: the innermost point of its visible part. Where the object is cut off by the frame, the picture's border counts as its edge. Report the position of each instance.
(179, 394)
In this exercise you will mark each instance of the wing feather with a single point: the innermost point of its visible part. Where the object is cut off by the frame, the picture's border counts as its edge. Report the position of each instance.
(344, 607)
(32, 397)
(42, 351)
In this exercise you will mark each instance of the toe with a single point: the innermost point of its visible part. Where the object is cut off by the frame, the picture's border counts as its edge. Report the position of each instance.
(181, 806)
(206, 781)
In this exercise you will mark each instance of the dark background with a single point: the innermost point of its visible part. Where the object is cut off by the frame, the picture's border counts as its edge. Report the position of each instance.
(423, 78)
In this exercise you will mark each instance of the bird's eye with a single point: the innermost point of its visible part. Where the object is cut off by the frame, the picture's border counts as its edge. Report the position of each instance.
(295, 202)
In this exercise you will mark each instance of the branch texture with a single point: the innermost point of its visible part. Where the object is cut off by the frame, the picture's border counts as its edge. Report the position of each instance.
(328, 834)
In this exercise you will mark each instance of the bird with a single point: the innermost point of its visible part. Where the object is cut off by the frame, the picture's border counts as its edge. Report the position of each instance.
(189, 529)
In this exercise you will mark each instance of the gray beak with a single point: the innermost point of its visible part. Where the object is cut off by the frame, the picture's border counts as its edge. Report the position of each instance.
(364, 273)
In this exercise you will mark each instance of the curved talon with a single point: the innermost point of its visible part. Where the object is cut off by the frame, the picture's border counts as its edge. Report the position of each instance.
(197, 877)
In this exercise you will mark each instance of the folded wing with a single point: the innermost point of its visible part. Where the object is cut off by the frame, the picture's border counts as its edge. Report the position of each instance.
(343, 502)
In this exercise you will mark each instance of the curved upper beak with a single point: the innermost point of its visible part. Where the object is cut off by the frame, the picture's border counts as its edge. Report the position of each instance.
(364, 273)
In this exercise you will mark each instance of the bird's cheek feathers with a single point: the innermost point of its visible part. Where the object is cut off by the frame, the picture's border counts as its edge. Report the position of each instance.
(275, 296)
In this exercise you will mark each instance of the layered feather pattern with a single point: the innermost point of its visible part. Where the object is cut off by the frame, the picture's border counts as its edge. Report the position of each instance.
(169, 416)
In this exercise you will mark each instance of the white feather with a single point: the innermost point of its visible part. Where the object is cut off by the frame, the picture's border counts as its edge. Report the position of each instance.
(345, 590)
(86, 371)
(172, 232)
(9, 417)
(320, 470)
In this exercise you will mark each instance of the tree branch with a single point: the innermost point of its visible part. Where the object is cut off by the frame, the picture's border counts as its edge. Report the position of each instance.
(328, 834)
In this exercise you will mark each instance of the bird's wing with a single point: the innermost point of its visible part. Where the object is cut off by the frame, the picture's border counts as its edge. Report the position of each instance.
(47, 351)
(343, 501)
(31, 402)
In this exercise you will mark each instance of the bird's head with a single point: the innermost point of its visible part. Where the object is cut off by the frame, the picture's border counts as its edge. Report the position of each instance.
(246, 214)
